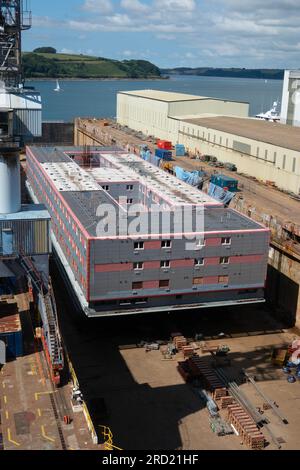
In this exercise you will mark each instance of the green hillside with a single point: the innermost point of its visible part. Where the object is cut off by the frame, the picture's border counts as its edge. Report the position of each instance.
(43, 65)
(271, 74)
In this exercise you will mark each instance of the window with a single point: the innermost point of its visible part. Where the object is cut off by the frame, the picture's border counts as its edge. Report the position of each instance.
(129, 201)
(165, 264)
(294, 165)
(141, 301)
(106, 188)
(139, 245)
(226, 241)
(164, 283)
(284, 162)
(129, 187)
(220, 140)
(199, 262)
(198, 281)
(166, 244)
(137, 285)
(257, 152)
(223, 279)
(224, 260)
(200, 243)
(266, 154)
(275, 158)
(226, 142)
(125, 302)
(138, 266)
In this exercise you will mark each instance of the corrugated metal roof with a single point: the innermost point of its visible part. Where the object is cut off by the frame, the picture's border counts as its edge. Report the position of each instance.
(272, 133)
(28, 212)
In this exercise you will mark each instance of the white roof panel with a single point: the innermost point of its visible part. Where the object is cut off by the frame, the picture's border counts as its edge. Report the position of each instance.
(167, 96)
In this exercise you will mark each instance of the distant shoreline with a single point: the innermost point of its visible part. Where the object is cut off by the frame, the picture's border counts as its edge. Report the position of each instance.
(94, 79)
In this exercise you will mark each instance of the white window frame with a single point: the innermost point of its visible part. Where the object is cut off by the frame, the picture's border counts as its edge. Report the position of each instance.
(223, 258)
(142, 247)
(197, 262)
(200, 243)
(225, 243)
(165, 267)
(168, 246)
(136, 266)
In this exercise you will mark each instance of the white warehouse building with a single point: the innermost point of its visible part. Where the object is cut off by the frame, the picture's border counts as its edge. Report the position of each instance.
(265, 150)
(152, 111)
(290, 105)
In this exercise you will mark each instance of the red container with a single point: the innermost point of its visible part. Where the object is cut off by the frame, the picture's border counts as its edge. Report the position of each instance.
(164, 144)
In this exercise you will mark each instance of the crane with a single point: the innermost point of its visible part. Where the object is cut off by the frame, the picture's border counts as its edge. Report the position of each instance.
(21, 119)
(15, 17)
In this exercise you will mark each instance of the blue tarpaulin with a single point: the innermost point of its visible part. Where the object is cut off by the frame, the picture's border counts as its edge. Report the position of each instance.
(149, 157)
(194, 178)
(218, 193)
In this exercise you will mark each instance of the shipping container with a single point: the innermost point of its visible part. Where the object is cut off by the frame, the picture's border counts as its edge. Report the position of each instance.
(224, 181)
(180, 150)
(164, 154)
(11, 335)
(164, 145)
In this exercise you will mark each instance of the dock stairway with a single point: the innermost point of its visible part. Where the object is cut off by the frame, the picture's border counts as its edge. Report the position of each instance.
(48, 312)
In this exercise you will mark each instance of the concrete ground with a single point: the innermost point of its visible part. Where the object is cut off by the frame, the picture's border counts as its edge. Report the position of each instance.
(142, 397)
(31, 409)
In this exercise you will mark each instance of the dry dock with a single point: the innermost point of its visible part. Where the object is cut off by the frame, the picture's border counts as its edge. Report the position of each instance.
(275, 209)
(142, 397)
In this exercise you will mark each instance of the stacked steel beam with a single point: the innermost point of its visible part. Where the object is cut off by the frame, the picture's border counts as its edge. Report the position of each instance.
(246, 427)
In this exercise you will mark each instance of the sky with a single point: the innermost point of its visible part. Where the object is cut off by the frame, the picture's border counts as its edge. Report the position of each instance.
(172, 33)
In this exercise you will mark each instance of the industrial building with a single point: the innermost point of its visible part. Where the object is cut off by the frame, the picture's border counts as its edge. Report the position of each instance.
(290, 103)
(265, 150)
(124, 271)
(24, 229)
(152, 111)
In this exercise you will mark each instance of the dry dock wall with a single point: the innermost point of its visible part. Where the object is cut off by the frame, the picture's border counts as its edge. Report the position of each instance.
(56, 133)
(283, 285)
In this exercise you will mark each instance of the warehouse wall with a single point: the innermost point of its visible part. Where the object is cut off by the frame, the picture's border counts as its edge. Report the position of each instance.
(290, 102)
(264, 161)
(209, 106)
(145, 115)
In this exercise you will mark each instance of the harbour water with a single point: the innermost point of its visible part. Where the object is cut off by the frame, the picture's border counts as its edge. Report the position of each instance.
(97, 98)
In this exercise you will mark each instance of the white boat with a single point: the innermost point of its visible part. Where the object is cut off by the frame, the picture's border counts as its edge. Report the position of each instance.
(271, 115)
(57, 86)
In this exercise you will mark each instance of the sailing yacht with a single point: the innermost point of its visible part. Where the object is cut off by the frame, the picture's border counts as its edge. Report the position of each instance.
(57, 86)
(271, 115)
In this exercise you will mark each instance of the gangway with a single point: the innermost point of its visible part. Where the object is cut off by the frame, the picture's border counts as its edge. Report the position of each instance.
(51, 337)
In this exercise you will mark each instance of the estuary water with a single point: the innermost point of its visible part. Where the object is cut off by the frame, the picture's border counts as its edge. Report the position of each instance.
(97, 98)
